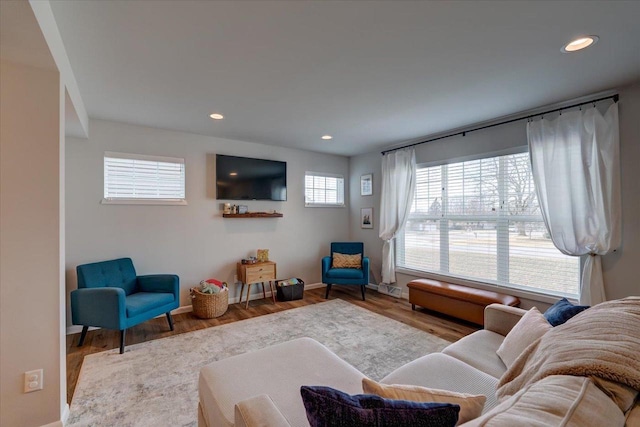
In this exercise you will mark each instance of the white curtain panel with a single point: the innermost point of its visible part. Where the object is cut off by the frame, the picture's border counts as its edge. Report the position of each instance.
(576, 168)
(398, 188)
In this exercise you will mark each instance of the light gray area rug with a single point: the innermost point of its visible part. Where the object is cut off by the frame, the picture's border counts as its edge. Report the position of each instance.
(156, 383)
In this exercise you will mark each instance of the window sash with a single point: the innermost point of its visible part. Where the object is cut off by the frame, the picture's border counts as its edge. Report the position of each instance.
(132, 177)
(323, 190)
(480, 220)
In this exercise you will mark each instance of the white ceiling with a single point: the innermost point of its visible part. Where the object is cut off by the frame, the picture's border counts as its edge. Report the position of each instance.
(372, 74)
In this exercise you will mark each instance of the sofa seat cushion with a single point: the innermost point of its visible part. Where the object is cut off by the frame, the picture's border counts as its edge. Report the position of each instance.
(345, 273)
(142, 302)
(444, 372)
(479, 350)
(277, 371)
(557, 400)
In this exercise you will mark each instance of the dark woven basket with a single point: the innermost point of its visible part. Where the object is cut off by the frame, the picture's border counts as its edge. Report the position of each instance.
(290, 292)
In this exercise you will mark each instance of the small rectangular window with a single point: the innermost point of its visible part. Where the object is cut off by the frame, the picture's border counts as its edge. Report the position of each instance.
(323, 190)
(140, 179)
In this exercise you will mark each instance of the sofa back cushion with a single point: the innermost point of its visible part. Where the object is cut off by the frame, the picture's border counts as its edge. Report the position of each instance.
(117, 273)
(557, 400)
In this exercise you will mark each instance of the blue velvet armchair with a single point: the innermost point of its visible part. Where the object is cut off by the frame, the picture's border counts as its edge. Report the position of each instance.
(111, 296)
(345, 276)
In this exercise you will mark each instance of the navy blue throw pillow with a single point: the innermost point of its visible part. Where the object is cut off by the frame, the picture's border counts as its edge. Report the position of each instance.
(562, 311)
(327, 407)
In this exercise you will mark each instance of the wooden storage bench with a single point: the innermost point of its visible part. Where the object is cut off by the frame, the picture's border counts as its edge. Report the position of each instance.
(458, 301)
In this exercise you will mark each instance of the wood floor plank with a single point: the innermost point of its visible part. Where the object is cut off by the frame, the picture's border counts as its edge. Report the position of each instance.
(100, 340)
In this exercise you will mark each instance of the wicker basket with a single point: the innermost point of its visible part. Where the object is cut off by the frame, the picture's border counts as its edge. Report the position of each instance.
(208, 306)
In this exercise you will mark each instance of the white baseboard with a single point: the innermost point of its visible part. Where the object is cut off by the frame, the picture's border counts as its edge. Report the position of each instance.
(65, 414)
(58, 423)
(394, 291)
(76, 329)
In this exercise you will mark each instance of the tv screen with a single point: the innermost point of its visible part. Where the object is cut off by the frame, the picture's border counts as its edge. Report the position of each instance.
(243, 178)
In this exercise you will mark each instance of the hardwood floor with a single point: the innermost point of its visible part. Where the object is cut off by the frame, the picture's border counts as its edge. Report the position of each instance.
(398, 309)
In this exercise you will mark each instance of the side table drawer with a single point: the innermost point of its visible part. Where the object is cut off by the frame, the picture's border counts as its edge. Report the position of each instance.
(260, 273)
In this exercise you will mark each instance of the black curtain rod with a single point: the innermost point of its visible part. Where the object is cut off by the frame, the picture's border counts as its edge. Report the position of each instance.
(463, 133)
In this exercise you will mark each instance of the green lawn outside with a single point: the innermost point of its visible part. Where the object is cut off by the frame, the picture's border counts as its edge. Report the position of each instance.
(548, 274)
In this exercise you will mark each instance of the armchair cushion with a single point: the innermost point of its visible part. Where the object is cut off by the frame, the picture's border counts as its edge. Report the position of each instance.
(346, 260)
(344, 273)
(141, 302)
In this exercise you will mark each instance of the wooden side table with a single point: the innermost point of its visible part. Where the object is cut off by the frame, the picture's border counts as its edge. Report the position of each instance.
(259, 272)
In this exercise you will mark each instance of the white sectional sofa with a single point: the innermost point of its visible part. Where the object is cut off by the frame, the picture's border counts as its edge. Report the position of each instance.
(262, 388)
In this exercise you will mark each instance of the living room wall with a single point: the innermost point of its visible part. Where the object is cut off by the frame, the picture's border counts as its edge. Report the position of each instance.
(620, 268)
(31, 243)
(194, 241)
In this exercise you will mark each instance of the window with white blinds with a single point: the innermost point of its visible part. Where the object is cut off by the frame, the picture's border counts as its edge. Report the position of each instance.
(323, 190)
(134, 178)
(480, 220)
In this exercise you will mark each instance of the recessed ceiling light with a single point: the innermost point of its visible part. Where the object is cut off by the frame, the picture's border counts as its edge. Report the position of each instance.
(580, 43)
(216, 116)
(233, 173)
(327, 137)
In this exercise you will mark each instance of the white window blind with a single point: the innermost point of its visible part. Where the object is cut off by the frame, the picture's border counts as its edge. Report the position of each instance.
(480, 220)
(323, 189)
(134, 178)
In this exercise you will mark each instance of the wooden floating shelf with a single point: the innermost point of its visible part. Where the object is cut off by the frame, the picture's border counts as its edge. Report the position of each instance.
(254, 215)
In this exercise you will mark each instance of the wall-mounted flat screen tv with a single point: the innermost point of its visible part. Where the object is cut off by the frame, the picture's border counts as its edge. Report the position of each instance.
(243, 178)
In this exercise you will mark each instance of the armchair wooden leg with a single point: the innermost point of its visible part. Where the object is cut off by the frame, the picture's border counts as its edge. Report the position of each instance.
(170, 320)
(122, 333)
(326, 296)
(362, 288)
(83, 335)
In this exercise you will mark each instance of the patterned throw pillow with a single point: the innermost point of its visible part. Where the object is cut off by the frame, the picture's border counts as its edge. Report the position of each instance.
(346, 261)
(327, 407)
(562, 311)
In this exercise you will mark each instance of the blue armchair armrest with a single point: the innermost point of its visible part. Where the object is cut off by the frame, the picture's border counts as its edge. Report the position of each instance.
(103, 307)
(365, 266)
(326, 264)
(169, 283)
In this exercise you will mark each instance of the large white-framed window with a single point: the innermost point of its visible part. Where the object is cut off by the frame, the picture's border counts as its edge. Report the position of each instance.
(141, 179)
(323, 189)
(480, 220)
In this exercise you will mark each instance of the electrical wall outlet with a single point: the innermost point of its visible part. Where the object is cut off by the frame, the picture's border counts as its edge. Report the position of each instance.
(33, 380)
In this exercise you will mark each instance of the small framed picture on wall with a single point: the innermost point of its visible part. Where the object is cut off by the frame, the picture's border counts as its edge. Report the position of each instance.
(366, 218)
(366, 185)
